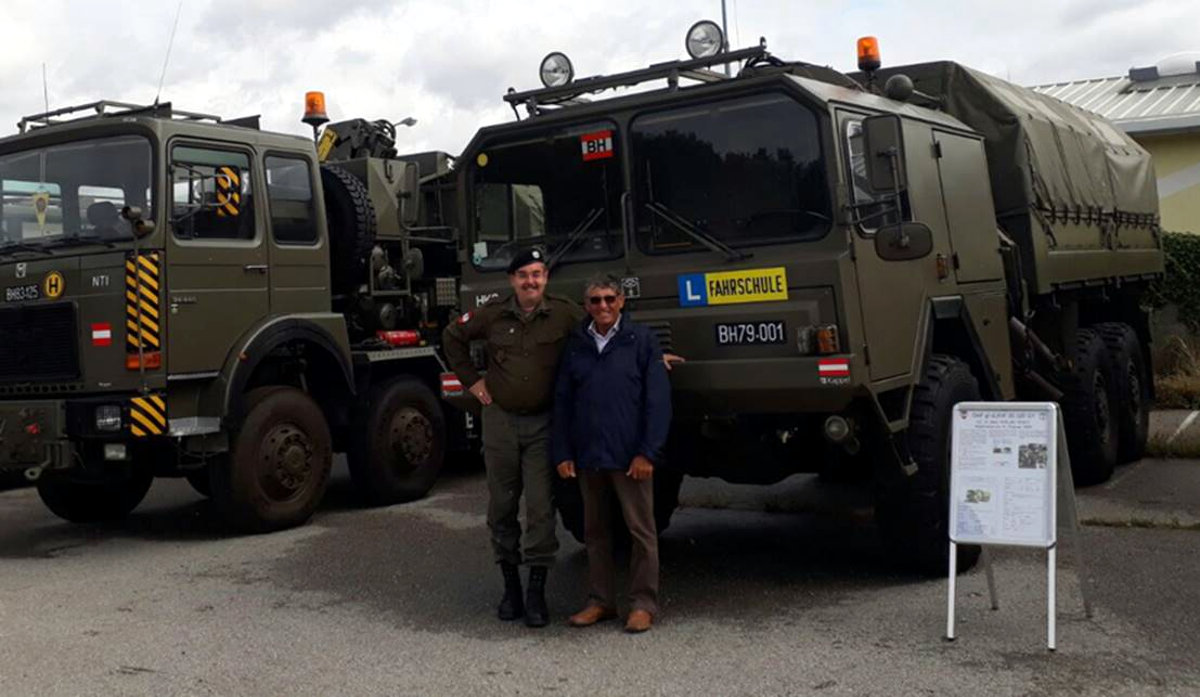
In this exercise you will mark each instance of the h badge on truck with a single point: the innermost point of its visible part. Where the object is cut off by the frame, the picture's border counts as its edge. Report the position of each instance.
(21, 269)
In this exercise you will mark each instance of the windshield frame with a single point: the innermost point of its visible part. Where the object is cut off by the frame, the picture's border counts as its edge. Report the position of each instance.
(54, 138)
(823, 163)
(555, 241)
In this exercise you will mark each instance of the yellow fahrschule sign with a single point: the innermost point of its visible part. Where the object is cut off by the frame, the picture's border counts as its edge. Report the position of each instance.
(730, 287)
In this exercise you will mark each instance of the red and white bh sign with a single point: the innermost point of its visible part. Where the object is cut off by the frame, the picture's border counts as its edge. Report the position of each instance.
(597, 145)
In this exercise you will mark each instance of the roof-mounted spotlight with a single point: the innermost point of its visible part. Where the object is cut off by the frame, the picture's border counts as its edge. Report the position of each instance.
(557, 70)
(705, 39)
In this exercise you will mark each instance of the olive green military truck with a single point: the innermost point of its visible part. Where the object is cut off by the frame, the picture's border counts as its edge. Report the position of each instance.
(186, 296)
(840, 258)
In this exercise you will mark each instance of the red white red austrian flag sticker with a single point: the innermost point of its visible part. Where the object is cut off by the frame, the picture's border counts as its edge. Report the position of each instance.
(834, 371)
(596, 145)
(102, 334)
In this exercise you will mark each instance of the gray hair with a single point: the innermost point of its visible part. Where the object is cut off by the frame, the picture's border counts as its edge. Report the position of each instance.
(603, 281)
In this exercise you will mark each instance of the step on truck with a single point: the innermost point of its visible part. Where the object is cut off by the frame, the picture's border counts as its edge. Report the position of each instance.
(186, 296)
(840, 257)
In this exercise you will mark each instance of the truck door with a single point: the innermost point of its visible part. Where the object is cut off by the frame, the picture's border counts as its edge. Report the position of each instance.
(217, 271)
(891, 294)
(967, 198)
(299, 262)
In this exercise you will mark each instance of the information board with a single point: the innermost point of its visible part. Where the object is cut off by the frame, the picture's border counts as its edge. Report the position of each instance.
(1003, 474)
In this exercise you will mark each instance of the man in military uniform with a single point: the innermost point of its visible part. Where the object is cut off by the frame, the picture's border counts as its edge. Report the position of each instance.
(525, 332)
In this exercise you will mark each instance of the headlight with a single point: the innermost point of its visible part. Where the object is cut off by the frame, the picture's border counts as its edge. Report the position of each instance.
(704, 39)
(108, 418)
(557, 70)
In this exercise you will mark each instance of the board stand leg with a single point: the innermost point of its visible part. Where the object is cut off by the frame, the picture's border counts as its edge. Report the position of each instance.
(986, 557)
(950, 595)
(1051, 596)
(1070, 509)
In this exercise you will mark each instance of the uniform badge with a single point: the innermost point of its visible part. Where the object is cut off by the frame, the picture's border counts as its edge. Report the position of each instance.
(466, 317)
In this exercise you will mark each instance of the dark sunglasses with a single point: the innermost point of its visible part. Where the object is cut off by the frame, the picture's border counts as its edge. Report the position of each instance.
(606, 299)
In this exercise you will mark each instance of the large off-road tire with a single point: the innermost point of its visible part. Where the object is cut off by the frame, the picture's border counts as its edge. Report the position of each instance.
(398, 442)
(568, 499)
(1133, 385)
(94, 498)
(278, 469)
(351, 218)
(1089, 408)
(913, 514)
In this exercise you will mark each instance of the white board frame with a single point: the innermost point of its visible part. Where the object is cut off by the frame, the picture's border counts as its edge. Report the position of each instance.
(1049, 473)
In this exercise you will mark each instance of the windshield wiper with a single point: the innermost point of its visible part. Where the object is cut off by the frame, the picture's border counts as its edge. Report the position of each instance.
(573, 238)
(677, 221)
(24, 247)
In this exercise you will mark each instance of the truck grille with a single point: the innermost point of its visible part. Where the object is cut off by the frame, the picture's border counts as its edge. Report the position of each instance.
(662, 331)
(39, 343)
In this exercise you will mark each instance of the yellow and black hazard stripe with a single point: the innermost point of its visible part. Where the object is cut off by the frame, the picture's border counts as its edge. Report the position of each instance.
(229, 192)
(148, 416)
(143, 276)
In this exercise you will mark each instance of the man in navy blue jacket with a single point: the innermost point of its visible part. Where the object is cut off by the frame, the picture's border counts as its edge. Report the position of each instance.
(612, 413)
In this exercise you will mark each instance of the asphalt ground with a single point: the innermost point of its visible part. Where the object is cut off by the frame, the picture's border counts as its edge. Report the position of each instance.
(776, 592)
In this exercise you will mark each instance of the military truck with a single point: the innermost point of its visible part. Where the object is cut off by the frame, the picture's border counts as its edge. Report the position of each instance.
(840, 257)
(190, 296)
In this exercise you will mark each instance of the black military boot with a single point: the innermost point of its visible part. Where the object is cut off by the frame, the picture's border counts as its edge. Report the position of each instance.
(511, 607)
(536, 614)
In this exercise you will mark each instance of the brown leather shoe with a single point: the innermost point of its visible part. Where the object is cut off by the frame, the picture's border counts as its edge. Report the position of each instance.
(591, 615)
(638, 622)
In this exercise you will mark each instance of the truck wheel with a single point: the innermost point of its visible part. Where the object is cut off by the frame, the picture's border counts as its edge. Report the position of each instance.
(398, 443)
(279, 466)
(110, 496)
(913, 515)
(667, 482)
(351, 218)
(1089, 401)
(1134, 387)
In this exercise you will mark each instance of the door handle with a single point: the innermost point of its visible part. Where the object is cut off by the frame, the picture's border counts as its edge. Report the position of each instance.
(255, 268)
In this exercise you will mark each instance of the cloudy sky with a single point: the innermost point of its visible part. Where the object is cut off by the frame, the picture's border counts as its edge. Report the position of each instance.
(447, 62)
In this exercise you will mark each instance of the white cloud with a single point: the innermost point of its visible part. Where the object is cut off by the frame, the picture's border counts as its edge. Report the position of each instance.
(448, 62)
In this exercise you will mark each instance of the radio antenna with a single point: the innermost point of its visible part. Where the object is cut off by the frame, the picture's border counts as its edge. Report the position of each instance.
(167, 59)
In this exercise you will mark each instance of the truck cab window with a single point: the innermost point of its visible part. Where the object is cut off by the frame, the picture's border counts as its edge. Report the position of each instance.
(743, 171)
(561, 190)
(879, 209)
(212, 196)
(290, 200)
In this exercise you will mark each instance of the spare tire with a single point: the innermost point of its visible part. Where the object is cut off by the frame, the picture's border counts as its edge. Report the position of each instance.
(351, 221)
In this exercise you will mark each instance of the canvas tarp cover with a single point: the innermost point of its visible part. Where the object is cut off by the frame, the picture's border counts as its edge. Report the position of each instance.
(1042, 153)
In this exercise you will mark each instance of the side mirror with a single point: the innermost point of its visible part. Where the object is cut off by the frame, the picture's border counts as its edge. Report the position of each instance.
(141, 228)
(410, 194)
(883, 145)
(903, 241)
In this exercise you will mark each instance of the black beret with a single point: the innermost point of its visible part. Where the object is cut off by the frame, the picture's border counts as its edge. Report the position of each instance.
(526, 257)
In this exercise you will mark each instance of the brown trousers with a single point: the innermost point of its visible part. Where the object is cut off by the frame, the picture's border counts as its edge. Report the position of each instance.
(637, 508)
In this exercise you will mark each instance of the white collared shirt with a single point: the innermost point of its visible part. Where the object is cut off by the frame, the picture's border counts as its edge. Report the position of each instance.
(603, 339)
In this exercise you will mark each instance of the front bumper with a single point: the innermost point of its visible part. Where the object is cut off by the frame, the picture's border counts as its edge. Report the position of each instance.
(46, 433)
(766, 386)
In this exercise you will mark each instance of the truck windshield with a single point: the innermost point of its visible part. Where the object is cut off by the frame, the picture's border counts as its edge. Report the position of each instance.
(739, 172)
(561, 190)
(73, 191)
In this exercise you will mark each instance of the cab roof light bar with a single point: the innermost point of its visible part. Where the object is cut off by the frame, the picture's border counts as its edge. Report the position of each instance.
(694, 69)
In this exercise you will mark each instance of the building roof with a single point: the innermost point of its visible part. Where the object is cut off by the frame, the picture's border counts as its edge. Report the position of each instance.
(1146, 101)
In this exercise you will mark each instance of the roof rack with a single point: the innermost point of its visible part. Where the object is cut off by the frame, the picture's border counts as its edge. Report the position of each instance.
(695, 69)
(105, 108)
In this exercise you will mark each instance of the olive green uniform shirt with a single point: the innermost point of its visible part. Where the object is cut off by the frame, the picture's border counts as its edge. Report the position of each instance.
(522, 349)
